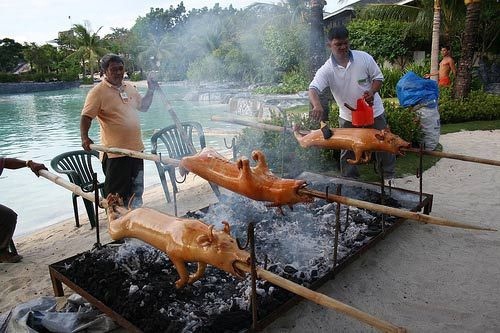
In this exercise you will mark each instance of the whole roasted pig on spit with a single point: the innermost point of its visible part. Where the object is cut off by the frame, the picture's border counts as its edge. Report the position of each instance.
(257, 183)
(362, 141)
(183, 240)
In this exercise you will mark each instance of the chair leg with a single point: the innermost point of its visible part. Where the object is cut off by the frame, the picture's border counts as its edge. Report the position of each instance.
(75, 210)
(215, 188)
(89, 206)
(12, 247)
(163, 181)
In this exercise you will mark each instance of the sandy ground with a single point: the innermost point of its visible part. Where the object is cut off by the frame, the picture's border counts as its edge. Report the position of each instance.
(425, 278)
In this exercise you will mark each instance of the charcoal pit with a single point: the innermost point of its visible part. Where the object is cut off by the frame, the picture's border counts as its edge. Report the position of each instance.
(134, 282)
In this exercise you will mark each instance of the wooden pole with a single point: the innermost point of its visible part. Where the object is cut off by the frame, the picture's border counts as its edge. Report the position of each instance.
(323, 300)
(453, 156)
(136, 154)
(233, 120)
(176, 120)
(262, 126)
(72, 187)
(423, 218)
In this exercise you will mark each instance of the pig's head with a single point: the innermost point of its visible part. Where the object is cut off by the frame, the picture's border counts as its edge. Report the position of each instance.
(394, 142)
(222, 251)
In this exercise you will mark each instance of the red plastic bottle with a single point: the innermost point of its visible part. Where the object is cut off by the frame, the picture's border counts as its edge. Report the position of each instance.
(363, 116)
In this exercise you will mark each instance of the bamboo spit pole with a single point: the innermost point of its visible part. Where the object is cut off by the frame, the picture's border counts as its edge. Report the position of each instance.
(453, 156)
(72, 187)
(254, 124)
(180, 129)
(423, 218)
(136, 154)
(322, 300)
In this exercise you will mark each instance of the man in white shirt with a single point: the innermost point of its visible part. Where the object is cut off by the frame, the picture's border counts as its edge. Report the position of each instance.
(351, 74)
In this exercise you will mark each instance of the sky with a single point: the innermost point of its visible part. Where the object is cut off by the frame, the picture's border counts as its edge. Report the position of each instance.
(39, 21)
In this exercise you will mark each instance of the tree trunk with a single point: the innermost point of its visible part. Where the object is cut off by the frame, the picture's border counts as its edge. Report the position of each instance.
(317, 50)
(464, 72)
(317, 37)
(435, 39)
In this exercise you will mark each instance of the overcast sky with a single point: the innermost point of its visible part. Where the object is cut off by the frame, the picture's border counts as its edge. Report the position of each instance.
(39, 21)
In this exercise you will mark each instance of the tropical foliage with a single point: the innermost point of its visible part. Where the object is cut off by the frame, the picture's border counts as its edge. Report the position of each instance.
(263, 43)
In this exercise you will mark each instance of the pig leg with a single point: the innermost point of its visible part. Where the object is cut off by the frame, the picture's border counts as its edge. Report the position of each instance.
(182, 271)
(366, 157)
(199, 273)
(358, 153)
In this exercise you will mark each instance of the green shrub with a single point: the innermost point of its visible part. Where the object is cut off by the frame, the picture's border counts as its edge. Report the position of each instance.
(69, 75)
(88, 80)
(293, 82)
(479, 105)
(8, 78)
(403, 122)
(391, 78)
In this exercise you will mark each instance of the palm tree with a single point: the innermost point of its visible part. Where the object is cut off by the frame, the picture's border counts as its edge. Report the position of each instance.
(155, 50)
(436, 23)
(88, 47)
(317, 46)
(464, 73)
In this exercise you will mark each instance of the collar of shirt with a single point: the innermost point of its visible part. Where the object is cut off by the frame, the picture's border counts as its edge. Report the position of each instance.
(120, 88)
(334, 61)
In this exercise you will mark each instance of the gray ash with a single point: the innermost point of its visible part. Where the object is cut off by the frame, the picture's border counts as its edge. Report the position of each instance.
(136, 281)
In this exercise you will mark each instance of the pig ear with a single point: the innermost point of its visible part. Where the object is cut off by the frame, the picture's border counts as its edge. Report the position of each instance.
(381, 135)
(203, 240)
(227, 227)
(211, 233)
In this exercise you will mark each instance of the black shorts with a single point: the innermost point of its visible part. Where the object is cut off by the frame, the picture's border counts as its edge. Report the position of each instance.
(120, 173)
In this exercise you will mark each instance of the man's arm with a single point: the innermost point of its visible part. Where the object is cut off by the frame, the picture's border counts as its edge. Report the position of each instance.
(452, 67)
(85, 122)
(375, 88)
(317, 109)
(148, 98)
(14, 163)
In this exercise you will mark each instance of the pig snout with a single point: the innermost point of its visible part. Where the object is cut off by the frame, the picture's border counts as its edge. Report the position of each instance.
(396, 143)
(228, 254)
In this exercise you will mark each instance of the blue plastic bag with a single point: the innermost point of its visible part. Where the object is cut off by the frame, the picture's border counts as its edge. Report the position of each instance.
(413, 89)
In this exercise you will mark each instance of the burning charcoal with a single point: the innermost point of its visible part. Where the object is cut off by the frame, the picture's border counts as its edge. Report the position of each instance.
(290, 269)
(133, 289)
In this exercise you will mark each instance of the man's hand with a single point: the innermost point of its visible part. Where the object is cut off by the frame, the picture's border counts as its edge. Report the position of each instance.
(152, 82)
(86, 142)
(368, 96)
(36, 167)
(316, 113)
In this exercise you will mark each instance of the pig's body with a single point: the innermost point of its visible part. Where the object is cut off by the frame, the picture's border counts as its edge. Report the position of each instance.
(257, 183)
(362, 141)
(183, 240)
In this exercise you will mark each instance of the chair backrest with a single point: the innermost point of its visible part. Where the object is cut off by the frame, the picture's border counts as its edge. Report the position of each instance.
(173, 143)
(77, 165)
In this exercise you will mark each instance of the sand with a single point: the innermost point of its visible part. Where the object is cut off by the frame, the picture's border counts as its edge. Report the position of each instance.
(425, 278)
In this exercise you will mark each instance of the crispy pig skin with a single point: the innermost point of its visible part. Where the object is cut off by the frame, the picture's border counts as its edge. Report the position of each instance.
(257, 183)
(362, 141)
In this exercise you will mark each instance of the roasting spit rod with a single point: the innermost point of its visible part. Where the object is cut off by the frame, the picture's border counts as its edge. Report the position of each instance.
(322, 299)
(414, 216)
